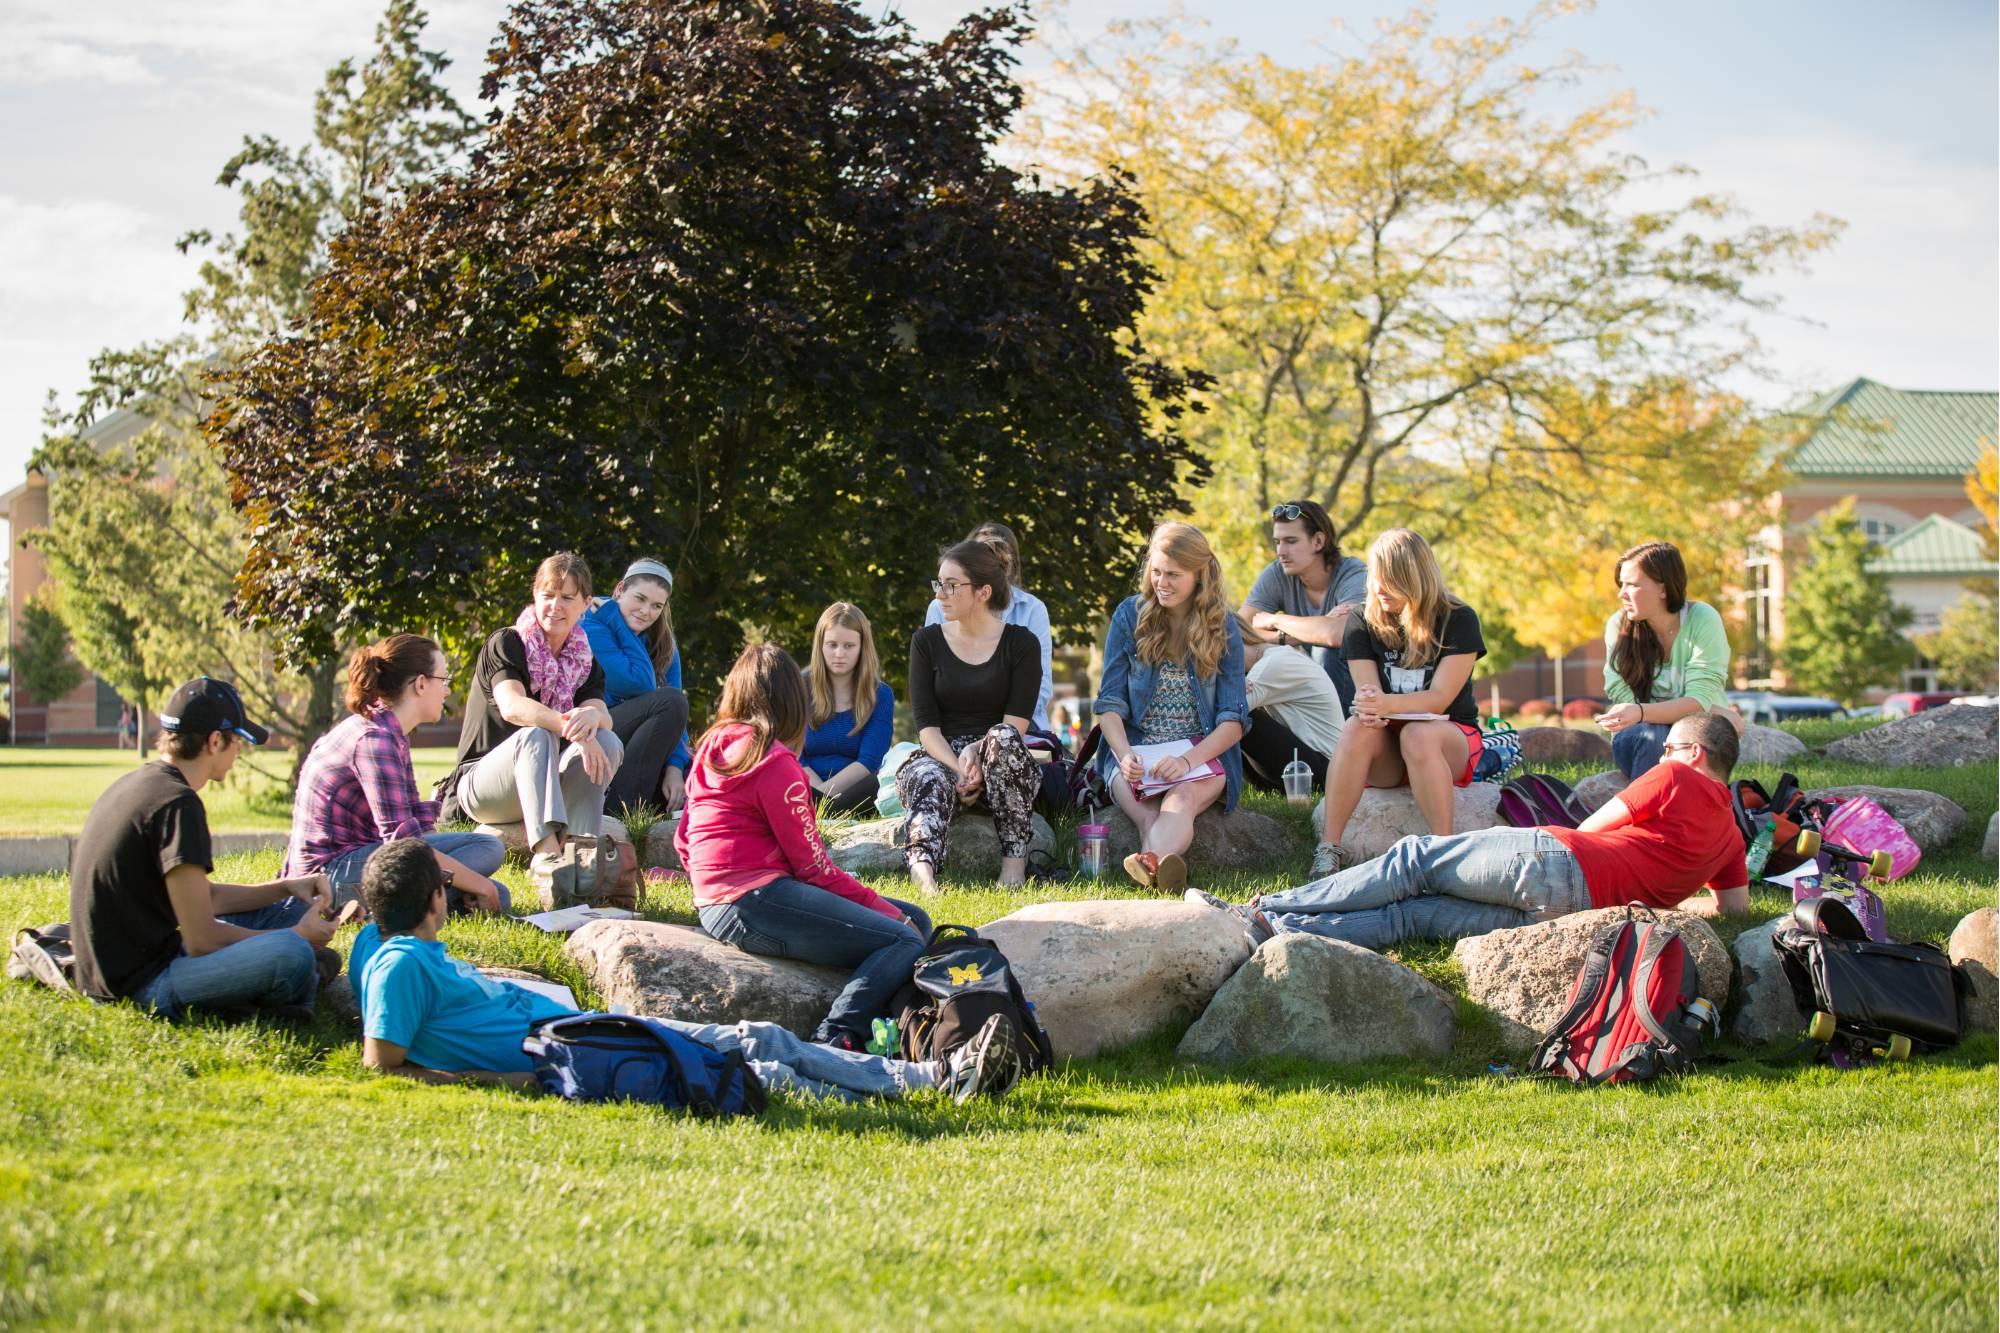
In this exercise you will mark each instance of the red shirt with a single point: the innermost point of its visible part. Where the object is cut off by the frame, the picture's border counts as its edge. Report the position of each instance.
(1682, 839)
(740, 831)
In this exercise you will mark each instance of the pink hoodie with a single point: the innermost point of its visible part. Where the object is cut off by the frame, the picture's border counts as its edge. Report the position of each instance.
(740, 831)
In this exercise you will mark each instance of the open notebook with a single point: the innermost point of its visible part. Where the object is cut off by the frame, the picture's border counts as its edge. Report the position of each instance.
(1151, 755)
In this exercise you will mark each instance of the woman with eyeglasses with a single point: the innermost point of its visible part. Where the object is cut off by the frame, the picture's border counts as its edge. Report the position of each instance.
(1173, 671)
(631, 635)
(1301, 601)
(1665, 657)
(1022, 608)
(358, 786)
(1414, 722)
(973, 684)
(853, 712)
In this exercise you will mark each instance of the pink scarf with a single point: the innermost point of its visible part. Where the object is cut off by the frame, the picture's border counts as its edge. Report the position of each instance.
(553, 677)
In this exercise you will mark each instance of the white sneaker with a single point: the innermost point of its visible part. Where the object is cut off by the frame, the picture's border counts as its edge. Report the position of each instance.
(1330, 858)
(1256, 926)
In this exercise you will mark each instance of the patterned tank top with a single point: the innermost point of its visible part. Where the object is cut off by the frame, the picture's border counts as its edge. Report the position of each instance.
(1173, 714)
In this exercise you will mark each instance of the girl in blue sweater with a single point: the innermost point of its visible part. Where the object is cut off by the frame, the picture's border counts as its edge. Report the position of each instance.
(632, 637)
(852, 714)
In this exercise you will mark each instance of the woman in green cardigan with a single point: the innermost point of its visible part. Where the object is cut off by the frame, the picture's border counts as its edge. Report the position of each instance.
(1665, 658)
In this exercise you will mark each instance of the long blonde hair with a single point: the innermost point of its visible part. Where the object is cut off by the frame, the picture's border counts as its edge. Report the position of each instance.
(867, 669)
(1402, 562)
(1197, 632)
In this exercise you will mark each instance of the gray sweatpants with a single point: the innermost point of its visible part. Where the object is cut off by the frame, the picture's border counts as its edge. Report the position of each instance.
(536, 778)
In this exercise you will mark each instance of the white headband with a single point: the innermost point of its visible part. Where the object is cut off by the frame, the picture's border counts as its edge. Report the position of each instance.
(651, 569)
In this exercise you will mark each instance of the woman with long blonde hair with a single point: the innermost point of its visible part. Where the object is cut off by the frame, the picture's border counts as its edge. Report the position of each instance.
(853, 711)
(1173, 675)
(1414, 723)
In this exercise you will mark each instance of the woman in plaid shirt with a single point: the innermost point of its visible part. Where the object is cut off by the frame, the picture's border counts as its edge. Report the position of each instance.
(358, 788)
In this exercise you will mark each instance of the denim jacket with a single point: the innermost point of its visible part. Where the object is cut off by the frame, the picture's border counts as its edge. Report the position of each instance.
(1128, 683)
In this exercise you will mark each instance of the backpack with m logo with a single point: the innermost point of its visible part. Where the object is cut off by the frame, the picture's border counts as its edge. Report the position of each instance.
(1633, 1013)
(626, 1057)
(960, 980)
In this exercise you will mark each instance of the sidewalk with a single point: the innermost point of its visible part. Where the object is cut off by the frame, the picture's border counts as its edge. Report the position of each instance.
(51, 855)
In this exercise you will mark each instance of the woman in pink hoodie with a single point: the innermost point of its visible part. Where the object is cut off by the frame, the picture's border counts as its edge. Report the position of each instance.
(762, 878)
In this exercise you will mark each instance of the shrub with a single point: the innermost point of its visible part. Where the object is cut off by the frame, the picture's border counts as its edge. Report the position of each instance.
(1538, 708)
(1581, 710)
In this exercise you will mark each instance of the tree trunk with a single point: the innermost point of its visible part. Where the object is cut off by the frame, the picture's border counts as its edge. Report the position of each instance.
(318, 715)
(1560, 720)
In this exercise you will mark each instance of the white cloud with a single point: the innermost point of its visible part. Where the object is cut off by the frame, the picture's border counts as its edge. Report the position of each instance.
(43, 60)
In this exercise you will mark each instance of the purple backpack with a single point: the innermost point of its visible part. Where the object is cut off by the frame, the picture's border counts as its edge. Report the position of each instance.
(1536, 800)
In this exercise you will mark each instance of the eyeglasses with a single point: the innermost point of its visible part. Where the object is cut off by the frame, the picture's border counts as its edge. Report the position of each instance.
(1287, 513)
(1671, 746)
(948, 588)
(442, 680)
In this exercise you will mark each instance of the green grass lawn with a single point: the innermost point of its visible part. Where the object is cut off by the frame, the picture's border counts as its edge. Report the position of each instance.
(155, 1176)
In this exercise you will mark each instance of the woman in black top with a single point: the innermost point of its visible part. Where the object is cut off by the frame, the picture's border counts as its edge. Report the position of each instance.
(973, 684)
(1411, 652)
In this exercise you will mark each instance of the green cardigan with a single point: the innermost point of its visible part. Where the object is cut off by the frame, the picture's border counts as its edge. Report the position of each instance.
(1697, 668)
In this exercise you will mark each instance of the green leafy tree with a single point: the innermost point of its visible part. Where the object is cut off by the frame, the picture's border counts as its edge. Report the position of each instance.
(44, 669)
(1966, 646)
(740, 284)
(1843, 631)
(143, 538)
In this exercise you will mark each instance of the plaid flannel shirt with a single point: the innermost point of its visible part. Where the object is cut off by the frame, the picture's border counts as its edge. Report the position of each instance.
(358, 787)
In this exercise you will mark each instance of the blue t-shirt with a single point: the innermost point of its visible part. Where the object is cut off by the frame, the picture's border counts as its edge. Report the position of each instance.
(834, 744)
(440, 1009)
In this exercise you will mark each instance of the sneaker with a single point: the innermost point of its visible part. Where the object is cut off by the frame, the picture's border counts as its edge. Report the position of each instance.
(1256, 926)
(1330, 858)
(840, 1039)
(987, 1064)
(1202, 898)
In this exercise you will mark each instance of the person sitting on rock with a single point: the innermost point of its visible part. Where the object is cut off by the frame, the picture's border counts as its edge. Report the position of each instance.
(358, 786)
(1411, 651)
(852, 715)
(147, 924)
(1019, 607)
(974, 680)
(1660, 842)
(428, 1016)
(1173, 672)
(1665, 658)
(537, 747)
(762, 878)
(631, 637)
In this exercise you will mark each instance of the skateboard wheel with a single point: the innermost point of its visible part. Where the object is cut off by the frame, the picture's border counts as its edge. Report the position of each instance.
(1808, 842)
(1878, 865)
(1899, 1047)
(1821, 1027)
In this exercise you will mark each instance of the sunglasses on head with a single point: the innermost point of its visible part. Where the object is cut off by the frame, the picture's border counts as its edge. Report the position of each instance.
(1287, 513)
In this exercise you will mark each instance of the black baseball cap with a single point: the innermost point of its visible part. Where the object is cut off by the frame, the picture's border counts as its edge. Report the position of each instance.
(206, 705)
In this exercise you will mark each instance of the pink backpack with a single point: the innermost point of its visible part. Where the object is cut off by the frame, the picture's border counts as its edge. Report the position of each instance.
(1861, 825)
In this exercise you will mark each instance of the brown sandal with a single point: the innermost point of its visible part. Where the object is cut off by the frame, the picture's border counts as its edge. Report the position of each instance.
(1143, 867)
(1170, 874)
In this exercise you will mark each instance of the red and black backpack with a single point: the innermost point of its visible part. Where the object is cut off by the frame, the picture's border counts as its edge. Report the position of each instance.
(1633, 1013)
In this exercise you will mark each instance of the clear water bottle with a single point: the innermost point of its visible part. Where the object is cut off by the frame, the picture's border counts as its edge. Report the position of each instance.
(1093, 849)
(1760, 848)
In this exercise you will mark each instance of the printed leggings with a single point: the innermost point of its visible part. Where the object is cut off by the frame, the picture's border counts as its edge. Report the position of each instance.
(929, 791)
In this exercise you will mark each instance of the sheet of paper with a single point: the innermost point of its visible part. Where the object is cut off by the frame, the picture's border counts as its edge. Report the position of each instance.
(566, 919)
(1792, 876)
(554, 990)
(1151, 755)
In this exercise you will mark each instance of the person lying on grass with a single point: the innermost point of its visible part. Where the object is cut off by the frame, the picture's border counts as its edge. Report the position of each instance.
(428, 1016)
(145, 920)
(1668, 835)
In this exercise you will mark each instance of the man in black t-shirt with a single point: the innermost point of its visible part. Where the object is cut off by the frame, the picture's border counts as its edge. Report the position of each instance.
(145, 920)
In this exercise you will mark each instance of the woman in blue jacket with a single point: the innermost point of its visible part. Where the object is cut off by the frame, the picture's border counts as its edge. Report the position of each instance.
(1173, 671)
(852, 715)
(632, 637)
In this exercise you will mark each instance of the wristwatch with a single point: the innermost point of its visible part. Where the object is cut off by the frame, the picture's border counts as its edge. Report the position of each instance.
(1284, 639)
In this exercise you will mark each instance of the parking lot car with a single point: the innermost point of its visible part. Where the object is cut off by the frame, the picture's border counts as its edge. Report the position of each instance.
(1906, 702)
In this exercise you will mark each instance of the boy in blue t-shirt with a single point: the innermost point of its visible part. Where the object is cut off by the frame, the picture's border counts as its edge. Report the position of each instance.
(429, 1016)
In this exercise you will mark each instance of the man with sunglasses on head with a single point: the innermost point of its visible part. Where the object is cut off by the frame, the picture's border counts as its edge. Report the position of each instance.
(1660, 842)
(147, 923)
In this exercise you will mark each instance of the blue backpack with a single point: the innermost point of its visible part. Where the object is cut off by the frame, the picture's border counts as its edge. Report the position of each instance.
(623, 1057)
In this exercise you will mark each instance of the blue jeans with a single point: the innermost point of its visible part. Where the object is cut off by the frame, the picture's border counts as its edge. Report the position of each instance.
(1639, 747)
(1438, 888)
(783, 1060)
(481, 853)
(807, 924)
(275, 967)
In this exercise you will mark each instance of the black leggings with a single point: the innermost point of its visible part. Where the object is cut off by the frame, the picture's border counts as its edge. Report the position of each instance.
(851, 796)
(650, 725)
(1267, 748)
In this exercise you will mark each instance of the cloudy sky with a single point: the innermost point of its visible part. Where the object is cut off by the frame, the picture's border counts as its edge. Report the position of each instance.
(115, 116)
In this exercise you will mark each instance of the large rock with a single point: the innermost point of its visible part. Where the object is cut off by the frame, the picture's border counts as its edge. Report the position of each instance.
(1948, 737)
(1990, 849)
(649, 967)
(1386, 814)
(1104, 974)
(1975, 946)
(1598, 788)
(1768, 745)
(659, 852)
(1240, 840)
(1931, 820)
(1563, 745)
(1321, 999)
(972, 849)
(1525, 974)
(1766, 1013)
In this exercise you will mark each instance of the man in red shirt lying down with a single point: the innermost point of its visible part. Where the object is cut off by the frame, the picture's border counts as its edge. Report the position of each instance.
(1663, 840)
